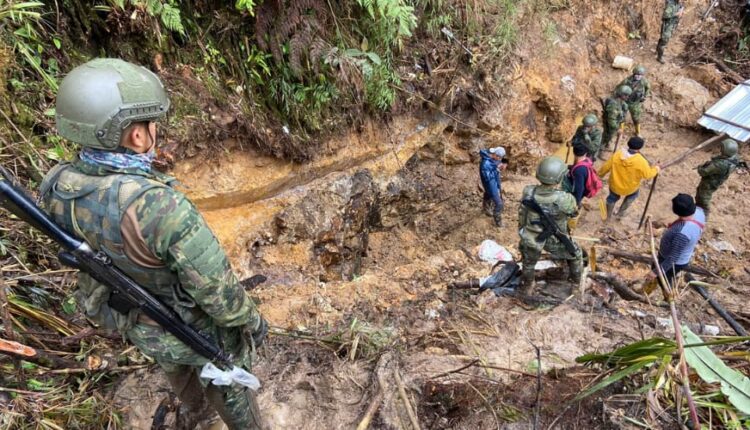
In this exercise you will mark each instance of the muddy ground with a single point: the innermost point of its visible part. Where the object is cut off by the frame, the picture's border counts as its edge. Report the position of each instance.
(358, 248)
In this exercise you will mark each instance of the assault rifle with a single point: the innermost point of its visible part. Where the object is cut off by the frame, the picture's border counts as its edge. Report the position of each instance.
(549, 226)
(126, 294)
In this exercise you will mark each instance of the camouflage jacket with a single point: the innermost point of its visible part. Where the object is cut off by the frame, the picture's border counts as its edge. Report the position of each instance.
(559, 204)
(591, 139)
(672, 9)
(614, 112)
(171, 252)
(641, 89)
(717, 170)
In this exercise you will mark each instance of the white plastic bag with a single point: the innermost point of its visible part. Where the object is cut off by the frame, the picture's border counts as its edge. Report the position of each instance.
(491, 252)
(237, 375)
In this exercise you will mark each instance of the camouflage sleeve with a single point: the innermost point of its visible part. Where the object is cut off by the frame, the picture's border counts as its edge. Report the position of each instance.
(708, 168)
(523, 210)
(179, 236)
(613, 113)
(596, 136)
(568, 205)
(670, 11)
(646, 88)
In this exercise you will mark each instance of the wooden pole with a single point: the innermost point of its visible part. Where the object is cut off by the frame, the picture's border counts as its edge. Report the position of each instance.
(698, 147)
(617, 141)
(644, 259)
(648, 201)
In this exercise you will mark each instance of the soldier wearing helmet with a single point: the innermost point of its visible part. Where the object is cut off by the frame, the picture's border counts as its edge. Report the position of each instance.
(561, 206)
(641, 89)
(715, 172)
(588, 135)
(673, 10)
(111, 196)
(615, 109)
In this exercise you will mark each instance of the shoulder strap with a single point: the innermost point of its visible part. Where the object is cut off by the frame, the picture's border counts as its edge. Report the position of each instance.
(50, 180)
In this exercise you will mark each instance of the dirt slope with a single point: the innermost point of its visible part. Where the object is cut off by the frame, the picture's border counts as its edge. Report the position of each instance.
(426, 224)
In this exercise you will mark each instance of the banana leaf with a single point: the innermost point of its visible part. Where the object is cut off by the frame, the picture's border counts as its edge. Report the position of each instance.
(711, 369)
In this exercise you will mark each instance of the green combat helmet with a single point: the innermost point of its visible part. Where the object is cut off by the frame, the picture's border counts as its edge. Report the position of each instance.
(729, 147)
(551, 170)
(590, 120)
(639, 70)
(100, 98)
(623, 91)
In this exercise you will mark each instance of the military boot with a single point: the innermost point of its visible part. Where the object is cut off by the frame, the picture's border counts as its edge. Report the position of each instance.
(660, 54)
(623, 208)
(527, 281)
(574, 271)
(637, 129)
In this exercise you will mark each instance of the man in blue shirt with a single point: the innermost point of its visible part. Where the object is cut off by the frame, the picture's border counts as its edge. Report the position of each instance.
(678, 242)
(489, 171)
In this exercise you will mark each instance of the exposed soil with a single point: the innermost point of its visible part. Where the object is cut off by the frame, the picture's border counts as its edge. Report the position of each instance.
(426, 225)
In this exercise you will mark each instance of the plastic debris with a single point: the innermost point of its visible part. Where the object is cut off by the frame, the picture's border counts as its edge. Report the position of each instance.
(722, 245)
(491, 252)
(237, 375)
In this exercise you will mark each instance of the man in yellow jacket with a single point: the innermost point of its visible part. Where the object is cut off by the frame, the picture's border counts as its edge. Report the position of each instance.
(628, 169)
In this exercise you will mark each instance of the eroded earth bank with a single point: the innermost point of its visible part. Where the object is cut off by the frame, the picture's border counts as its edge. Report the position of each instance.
(359, 245)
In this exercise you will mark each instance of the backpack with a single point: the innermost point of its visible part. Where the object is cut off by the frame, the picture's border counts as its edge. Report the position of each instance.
(593, 182)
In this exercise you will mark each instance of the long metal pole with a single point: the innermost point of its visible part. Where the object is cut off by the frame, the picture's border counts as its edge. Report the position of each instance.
(648, 201)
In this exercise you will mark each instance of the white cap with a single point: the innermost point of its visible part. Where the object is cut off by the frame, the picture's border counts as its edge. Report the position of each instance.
(498, 150)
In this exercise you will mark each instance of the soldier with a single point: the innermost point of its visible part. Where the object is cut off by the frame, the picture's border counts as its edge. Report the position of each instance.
(560, 206)
(715, 172)
(641, 89)
(673, 10)
(615, 110)
(588, 135)
(112, 197)
(489, 172)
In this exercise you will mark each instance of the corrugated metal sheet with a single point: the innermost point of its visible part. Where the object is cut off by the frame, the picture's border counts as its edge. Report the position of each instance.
(731, 114)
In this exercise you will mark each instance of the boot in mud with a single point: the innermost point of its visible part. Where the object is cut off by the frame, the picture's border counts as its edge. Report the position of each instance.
(574, 271)
(610, 209)
(498, 218)
(660, 53)
(487, 207)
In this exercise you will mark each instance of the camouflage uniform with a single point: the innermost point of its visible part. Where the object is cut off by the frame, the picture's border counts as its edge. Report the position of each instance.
(591, 139)
(713, 174)
(615, 111)
(669, 20)
(561, 207)
(157, 237)
(641, 90)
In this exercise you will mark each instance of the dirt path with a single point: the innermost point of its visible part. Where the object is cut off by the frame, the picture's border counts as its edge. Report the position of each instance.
(397, 319)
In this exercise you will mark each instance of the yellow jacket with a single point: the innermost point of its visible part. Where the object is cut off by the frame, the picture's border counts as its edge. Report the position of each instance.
(628, 170)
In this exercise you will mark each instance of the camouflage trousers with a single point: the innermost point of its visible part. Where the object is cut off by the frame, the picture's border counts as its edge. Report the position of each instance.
(703, 195)
(607, 136)
(531, 251)
(636, 110)
(236, 405)
(667, 29)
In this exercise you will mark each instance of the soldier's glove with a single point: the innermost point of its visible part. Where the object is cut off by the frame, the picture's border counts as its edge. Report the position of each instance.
(259, 334)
